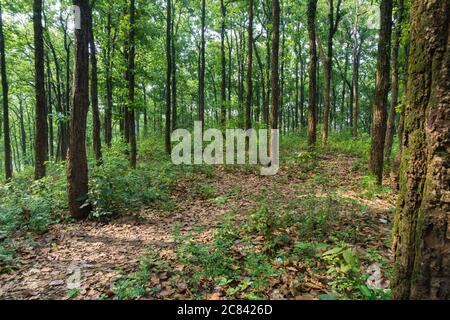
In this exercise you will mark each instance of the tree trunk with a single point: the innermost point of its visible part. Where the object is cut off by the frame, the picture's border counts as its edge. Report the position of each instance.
(97, 143)
(109, 86)
(275, 64)
(77, 169)
(381, 92)
(223, 67)
(395, 85)
(168, 77)
(354, 113)
(333, 23)
(248, 107)
(421, 233)
(41, 144)
(5, 87)
(201, 83)
(174, 72)
(131, 89)
(312, 104)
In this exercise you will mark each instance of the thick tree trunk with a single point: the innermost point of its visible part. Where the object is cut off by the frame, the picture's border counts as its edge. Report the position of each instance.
(77, 169)
(421, 233)
(41, 144)
(5, 87)
(312, 104)
(395, 81)
(381, 92)
(97, 143)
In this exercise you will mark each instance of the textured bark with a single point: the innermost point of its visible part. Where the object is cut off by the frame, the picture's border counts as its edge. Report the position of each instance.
(422, 234)
(275, 64)
(77, 169)
(97, 143)
(312, 103)
(395, 81)
(5, 87)
(249, 102)
(41, 143)
(381, 92)
(168, 76)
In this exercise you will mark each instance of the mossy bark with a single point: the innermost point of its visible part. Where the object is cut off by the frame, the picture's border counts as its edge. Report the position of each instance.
(422, 232)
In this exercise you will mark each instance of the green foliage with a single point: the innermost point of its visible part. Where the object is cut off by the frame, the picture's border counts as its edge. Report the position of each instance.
(371, 188)
(114, 186)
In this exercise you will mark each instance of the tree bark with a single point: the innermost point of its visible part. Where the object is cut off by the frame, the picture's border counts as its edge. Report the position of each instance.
(381, 92)
(421, 232)
(5, 88)
(41, 144)
(77, 169)
(312, 104)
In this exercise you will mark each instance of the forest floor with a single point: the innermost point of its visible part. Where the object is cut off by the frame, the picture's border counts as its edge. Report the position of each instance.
(319, 228)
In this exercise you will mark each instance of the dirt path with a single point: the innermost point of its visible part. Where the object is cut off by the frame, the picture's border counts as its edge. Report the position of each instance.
(99, 252)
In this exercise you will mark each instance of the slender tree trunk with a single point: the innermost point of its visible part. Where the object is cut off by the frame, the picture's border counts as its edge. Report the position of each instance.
(421, 232)
(168, 77)
(77, 169)
(333, 23)
(381, 92)
(201, 83)
(275, 62)
(5, 87)
(395, 81)
(66, 132)
(50, 107)
(223, 66)
(174, 72)
(131, 88)
(248, 107)
(41, 144)
(97, 143)
(23, 135)
(312, 107)
(354, 113)
(109, 85)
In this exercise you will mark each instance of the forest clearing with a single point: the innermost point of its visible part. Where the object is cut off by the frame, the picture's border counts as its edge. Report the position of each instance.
(225, 150)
